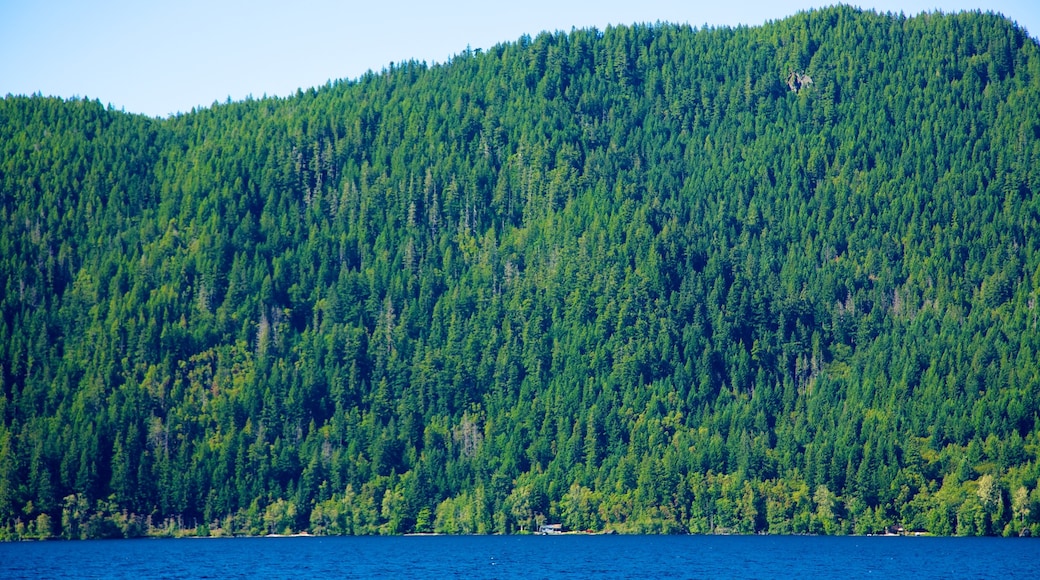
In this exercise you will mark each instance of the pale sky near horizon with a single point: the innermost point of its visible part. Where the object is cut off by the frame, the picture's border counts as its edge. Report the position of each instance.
(162, 57)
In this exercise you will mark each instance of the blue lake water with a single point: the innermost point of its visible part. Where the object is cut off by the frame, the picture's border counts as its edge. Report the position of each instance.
(476, 557)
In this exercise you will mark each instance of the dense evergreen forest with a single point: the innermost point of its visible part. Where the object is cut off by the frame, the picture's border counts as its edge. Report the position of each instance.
(653, 278)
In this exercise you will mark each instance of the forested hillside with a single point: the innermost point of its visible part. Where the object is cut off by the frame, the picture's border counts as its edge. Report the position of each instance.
(779, 279)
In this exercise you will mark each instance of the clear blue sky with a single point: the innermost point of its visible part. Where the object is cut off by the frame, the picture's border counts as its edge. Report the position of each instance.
(160, 57)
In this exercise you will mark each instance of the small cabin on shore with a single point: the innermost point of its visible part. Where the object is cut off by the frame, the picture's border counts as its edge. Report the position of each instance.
(549, 529)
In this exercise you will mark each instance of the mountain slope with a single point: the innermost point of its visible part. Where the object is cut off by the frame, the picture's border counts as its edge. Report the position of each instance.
(643, 279)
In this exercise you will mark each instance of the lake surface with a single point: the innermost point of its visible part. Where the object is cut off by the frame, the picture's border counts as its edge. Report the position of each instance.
(476, 557)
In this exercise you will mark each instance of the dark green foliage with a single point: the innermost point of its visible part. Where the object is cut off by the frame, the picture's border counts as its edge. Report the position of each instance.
(622, 279)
